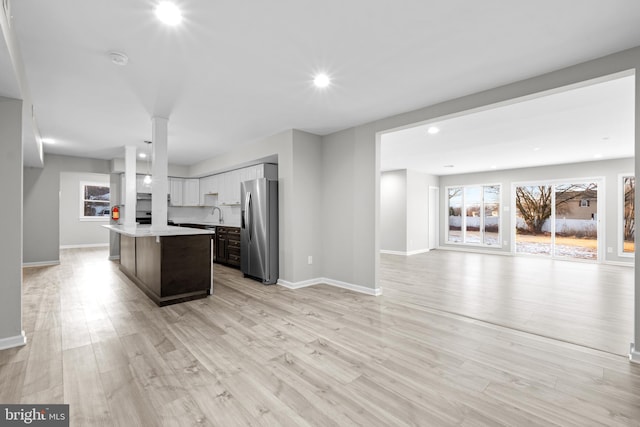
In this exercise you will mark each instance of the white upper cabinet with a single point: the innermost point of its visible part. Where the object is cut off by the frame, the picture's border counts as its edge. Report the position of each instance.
(191, 192)
(233, 184)
(248, 174)
(175, 191)
(208, 190)
(141, 187)
(220, 189)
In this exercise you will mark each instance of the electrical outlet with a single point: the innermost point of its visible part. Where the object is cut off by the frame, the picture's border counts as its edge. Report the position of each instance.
(505, 242)
(310, 260)
(609, 250)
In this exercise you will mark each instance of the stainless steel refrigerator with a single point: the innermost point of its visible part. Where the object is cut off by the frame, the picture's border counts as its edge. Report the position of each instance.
(259, 230)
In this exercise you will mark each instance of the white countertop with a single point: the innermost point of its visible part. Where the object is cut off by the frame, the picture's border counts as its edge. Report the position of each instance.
(146, 231)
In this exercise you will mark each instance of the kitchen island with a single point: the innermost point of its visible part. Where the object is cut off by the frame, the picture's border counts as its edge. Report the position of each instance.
(170, 265)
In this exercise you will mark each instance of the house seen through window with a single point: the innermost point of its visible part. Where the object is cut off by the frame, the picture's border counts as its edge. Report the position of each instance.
(95, 200)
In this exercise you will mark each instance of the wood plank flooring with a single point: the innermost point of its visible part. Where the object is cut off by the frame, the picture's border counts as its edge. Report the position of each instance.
(583, 303)
(320, 356)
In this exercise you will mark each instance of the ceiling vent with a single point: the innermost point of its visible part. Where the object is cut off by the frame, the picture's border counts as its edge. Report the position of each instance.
(119, 58)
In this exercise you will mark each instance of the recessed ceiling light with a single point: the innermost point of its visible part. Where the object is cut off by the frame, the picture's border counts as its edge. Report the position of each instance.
(536, 149)
(322, 80)
(142, 155)
(433, 130)
(119, 58)
(168, 13)
(48, 140)
(494, 167)
(448, 166)
(597, 156)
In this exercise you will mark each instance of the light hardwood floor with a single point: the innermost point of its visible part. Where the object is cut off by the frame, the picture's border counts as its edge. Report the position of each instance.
(265, 355)
(583, 303)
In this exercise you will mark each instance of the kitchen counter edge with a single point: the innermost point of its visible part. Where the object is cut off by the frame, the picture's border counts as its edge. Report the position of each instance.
(146, 231)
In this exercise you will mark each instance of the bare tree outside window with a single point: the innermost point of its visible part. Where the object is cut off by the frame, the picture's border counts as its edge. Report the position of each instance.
(629, 222)
(534, 202)
(574, 223)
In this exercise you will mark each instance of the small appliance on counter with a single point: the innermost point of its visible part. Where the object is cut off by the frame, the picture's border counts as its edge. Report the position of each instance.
(259, 230)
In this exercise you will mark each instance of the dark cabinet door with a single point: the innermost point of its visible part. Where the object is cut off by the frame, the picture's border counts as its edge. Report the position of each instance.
(228, 246)
(221, 247)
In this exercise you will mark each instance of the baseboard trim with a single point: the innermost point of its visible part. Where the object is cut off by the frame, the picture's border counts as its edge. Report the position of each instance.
(330, 282)
(634, 356)
(41, 264)
(408, 253)
(114, 257)
(88, 245)
(384, 251)
(473, 250)
(11, 342)
(619, 264)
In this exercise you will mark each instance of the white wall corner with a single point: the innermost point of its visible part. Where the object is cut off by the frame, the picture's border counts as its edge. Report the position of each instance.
(298, 285)
(325, 281)
(11, 342)
(634, 355)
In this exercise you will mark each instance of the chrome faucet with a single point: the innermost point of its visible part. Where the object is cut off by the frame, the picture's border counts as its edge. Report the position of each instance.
(220, 220)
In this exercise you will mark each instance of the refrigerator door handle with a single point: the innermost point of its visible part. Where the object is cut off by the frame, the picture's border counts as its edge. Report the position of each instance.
(245, 208)
(247, 213)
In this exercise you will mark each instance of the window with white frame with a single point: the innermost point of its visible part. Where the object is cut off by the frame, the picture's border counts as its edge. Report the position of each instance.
(628, 185)
(480, 224)
(94, 200)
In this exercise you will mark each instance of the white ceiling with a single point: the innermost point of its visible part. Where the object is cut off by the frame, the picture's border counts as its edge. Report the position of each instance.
(581, 124)
(236, 71)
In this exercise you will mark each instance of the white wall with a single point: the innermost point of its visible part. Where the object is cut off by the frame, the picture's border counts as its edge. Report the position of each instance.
(73, 231)
(299, 198)
(11, 224)
(358, 152)
(608, 169)
(404, 211)
(362, 144)
(41, 195)
(417, 211)
(306, 217)
(393, 211)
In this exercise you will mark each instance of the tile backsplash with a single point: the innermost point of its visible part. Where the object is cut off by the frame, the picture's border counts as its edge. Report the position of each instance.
(230, 214)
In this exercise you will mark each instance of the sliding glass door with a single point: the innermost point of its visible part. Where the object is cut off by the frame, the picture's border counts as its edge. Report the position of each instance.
(576, 221)
(474, 215)
(533, 208)
(558, 220)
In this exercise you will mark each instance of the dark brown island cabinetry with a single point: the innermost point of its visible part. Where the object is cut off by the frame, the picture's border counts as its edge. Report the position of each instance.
(228, 246)
(169, 269)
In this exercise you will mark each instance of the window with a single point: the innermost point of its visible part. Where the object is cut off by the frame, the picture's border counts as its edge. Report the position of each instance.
(480, 224)
(628, 215)
(584, 203)
(94, 200)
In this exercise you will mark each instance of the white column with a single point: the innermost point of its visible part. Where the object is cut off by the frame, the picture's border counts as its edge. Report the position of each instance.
(159, 171)
(130, 186)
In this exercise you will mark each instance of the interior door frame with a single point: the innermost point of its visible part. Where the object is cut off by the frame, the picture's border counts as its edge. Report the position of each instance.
(600, 224)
